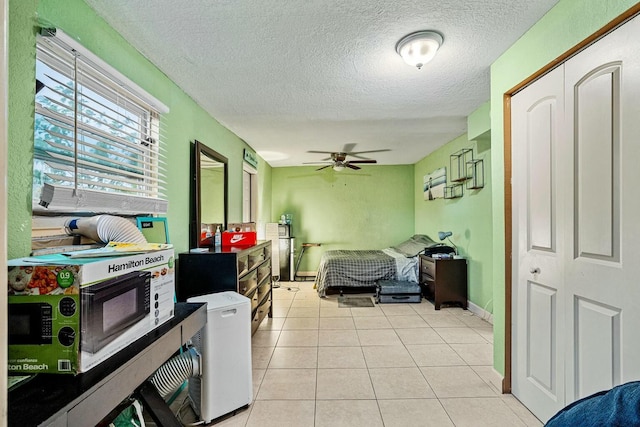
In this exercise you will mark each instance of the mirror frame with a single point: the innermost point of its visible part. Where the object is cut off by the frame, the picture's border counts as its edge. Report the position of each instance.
(199, 150)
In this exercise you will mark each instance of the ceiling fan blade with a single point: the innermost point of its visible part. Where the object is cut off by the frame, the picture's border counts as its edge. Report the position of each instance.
(348, 147)
(349, 165)
(363, 161)
(323, 167)
(315, 163)
(357, 153)
(370, 151)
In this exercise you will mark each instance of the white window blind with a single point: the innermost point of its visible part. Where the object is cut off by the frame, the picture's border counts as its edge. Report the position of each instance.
(98, 138)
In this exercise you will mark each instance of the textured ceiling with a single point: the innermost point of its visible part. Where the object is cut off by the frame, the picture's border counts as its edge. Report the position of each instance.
(289, 76)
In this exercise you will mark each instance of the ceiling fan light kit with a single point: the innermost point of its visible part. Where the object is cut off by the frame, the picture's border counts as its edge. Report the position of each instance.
(338, 160)
(419, 48)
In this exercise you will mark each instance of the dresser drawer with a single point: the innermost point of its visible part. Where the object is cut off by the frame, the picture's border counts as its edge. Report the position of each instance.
(248, 282)
(264, 271)
(255, 298)
(428, 266)
(256, 258)
(243, 264)
(264, 289)
(260, 314)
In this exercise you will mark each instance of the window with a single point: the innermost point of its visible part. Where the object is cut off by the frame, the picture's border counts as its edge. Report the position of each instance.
(97, 140)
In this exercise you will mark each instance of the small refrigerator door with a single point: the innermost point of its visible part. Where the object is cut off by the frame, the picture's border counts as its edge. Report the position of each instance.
(286, 258)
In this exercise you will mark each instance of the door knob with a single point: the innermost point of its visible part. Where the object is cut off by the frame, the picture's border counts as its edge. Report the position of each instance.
(535, 270)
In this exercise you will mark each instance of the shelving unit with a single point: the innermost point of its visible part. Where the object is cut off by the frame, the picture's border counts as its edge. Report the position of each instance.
(453, 191)
(458, 164)
(465, 171)
(475, 172)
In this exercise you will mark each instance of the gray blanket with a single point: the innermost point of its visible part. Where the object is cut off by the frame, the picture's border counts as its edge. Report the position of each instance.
(353, 268)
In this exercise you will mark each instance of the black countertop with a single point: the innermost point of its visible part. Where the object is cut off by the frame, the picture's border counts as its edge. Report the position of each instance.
(36, 400)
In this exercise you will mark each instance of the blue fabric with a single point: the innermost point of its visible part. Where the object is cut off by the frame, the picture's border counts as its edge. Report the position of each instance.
(619, 406)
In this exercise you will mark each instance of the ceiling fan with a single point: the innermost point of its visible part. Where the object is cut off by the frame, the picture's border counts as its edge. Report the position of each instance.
(338, 160)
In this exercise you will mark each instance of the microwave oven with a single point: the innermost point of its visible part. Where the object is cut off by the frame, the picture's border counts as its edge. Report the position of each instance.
(30, 323)
(112, 306)
(284, 230)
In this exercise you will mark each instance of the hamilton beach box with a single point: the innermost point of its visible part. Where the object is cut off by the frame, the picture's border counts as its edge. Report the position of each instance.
(67, 315)
(397, 291)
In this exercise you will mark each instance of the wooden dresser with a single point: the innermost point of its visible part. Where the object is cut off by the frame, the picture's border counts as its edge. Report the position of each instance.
(246, 270)
(444, 280)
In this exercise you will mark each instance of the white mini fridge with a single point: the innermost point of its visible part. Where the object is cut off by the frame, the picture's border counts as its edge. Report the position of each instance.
(225, 345)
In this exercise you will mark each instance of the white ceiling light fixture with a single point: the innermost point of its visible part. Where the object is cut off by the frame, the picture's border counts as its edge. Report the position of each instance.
(419, 48)
(338, 167)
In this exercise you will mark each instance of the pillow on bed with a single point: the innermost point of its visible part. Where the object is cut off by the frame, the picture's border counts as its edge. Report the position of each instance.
(423, 238)
(413, 247)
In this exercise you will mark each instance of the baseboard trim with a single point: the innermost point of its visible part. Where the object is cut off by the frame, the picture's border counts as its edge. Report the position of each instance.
(480, 312)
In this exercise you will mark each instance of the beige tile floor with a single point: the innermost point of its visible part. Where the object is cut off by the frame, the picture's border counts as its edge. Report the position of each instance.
(316, 364)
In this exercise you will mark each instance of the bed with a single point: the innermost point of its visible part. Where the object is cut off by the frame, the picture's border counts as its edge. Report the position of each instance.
(342, 269)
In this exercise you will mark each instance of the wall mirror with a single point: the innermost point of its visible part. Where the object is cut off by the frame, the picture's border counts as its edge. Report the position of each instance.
(208, 194)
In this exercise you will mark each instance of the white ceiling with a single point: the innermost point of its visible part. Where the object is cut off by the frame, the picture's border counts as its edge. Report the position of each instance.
(288, 76)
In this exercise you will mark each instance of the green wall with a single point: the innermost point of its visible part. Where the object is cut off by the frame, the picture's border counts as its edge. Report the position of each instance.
(564, 26)
(184, 123)
(479, 122)
(367, 209)
(468, 217)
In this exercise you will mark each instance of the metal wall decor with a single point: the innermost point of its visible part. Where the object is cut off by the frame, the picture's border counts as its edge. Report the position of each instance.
(475, 172)
(453, 191)
(464, 171)
(458, 164)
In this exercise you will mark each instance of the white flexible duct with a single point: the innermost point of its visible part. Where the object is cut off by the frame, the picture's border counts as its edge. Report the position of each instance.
(175, 371)
(105, 229)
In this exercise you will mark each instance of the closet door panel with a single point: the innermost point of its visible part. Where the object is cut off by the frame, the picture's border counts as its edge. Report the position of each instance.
(597, 164)
(598, 344)
(602, 271)
(540, 175)
(541, 338)
(538, 291)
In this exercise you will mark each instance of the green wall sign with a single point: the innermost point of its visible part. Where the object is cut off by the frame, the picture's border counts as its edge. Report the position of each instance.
(250, 157)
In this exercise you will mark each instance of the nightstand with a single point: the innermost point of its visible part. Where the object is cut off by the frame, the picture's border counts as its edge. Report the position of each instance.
(444, 281)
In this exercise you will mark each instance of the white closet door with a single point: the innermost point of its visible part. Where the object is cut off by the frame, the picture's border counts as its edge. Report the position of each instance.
(576, 232)
(538, 243)
(602, 269)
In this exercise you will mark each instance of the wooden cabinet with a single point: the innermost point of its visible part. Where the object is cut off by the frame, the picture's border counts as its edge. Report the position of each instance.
(247, 271)
(444, 281)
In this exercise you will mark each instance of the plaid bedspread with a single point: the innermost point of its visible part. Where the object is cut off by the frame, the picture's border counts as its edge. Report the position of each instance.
(353, 268)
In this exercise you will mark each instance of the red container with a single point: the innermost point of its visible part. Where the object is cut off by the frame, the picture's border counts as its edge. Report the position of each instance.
(243, 238)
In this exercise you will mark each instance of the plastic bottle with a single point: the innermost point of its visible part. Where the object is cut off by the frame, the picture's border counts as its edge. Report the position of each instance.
(217, 238)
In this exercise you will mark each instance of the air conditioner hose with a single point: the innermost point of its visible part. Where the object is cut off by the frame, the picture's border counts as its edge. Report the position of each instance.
(175, 371)
(105, 229)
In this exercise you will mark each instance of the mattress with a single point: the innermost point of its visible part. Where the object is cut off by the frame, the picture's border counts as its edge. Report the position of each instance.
(363, 268)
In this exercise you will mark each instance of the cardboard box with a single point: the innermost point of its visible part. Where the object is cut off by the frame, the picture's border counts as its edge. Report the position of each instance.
(67, 315)
(246, 238)
(241, 226)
